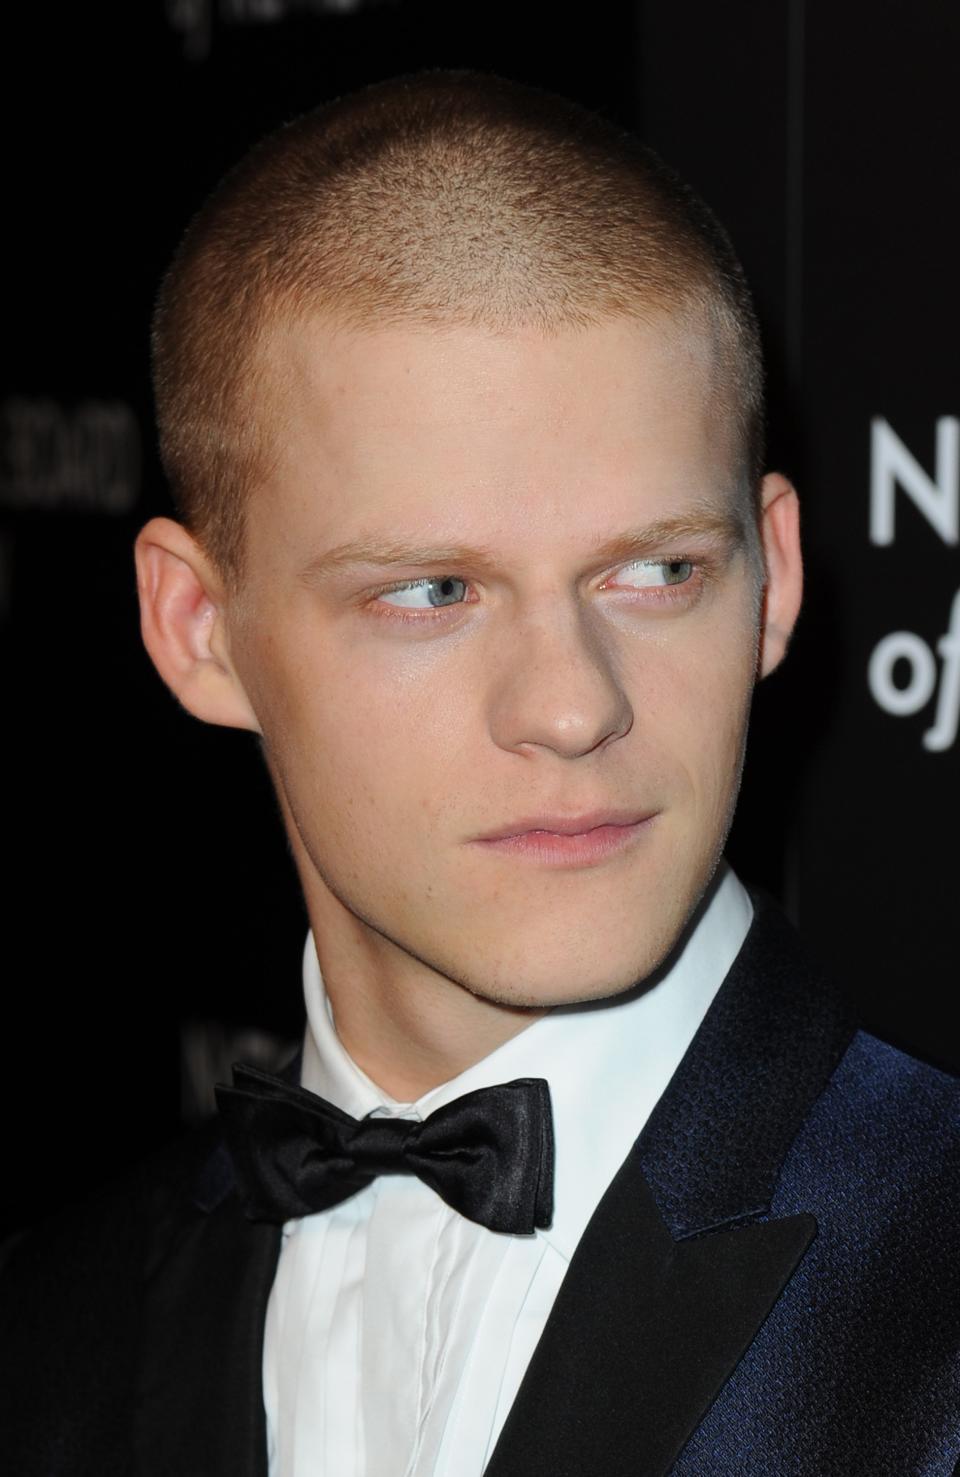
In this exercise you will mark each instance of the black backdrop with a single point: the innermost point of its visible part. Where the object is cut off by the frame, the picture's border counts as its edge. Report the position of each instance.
(152, 909)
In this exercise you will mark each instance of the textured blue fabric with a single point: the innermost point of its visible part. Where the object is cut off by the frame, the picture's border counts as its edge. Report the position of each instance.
(857, 1368)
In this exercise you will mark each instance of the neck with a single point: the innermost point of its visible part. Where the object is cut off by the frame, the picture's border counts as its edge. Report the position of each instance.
(407, 1026)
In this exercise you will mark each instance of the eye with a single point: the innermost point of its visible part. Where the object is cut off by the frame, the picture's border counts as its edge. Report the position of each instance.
(647, 573)
(422, 594)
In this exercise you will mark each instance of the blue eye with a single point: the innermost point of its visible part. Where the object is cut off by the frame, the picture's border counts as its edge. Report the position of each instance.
(654, 572)
(440, 590)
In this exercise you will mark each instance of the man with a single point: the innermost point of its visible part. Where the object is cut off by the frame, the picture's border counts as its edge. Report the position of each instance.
(460, 397)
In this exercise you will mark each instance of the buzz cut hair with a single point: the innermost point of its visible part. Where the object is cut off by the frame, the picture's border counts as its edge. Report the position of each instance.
(438, 199)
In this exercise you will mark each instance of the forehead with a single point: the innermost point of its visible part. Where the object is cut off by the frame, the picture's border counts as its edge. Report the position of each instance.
(462, 430)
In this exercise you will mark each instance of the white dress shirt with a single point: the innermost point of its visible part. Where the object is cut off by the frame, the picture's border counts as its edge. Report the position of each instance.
(398, 1332)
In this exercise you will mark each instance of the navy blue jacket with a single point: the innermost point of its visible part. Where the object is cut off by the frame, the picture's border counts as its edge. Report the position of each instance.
(769, 1288)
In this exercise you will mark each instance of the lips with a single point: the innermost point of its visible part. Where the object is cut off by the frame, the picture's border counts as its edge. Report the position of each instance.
(569, 825)
(569, 841)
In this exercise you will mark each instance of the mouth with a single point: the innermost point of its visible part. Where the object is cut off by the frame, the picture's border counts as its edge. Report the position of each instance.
(572, 840)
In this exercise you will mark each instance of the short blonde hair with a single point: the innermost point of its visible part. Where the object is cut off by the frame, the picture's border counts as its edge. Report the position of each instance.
(440, 198)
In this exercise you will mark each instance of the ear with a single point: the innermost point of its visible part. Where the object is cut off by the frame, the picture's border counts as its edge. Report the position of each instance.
(783, 591)
(183, 622)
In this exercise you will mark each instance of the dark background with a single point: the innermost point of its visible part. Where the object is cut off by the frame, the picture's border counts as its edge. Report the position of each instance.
(153, 922)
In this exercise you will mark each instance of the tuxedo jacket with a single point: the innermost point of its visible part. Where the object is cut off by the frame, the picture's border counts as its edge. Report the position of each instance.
(770, 1285)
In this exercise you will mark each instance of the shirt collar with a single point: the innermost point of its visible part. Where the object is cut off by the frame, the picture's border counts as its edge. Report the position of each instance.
(607, 1063)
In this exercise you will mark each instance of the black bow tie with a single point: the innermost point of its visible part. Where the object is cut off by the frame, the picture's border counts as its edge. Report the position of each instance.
(489, 1154)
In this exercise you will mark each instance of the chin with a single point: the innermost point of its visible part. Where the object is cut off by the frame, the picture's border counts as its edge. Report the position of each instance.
(575, 979)
(597, 959)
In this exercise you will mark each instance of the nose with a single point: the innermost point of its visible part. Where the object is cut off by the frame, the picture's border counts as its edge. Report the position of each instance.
(557, 687)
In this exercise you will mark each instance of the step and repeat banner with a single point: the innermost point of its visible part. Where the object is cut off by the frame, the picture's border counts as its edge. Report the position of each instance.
(154, 927)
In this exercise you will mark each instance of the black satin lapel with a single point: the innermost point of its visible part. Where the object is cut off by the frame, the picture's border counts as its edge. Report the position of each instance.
(643, 1335)
(200, 1408)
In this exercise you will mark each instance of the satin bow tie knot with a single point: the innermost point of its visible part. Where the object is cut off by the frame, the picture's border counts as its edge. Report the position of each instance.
(488, 1154)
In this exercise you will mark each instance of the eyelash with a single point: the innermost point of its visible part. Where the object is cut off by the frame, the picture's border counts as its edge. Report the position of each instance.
(660, 594)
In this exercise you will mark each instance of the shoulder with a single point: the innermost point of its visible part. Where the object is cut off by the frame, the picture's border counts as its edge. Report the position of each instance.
(71, 1299)
(888, 1079)
(881, 1146)
(882, 1089)
(901, 1116)
(888, 1097)
(97, 1236)
(879, 1131)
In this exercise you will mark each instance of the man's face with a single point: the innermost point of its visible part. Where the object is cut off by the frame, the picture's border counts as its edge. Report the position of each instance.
(542, 607)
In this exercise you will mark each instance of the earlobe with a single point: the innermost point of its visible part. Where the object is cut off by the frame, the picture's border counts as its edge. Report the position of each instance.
(783, 592)
(183, 627)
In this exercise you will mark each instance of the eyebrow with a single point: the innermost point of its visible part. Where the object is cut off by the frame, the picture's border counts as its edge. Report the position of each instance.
(381, 552)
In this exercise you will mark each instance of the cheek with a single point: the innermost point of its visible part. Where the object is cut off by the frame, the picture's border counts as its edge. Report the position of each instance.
(356, 746)
(703, 688)
(721, 736)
